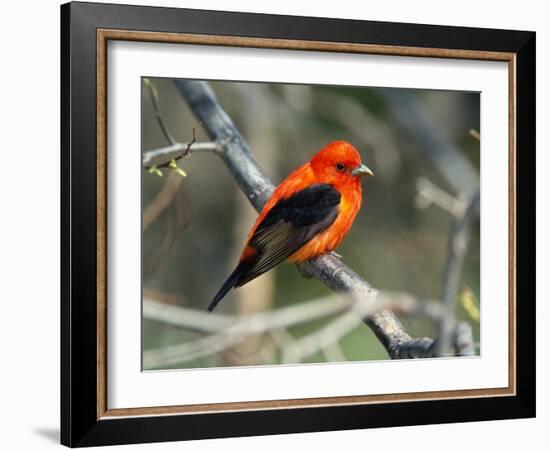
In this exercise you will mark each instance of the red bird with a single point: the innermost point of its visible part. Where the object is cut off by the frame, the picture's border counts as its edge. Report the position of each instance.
(308, 214)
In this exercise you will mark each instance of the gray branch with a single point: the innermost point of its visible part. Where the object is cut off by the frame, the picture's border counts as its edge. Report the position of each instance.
(200, 321)
(235, 153)
(224, 331)
(457, 246)
(161, 156)
(204, 322)
(257, 187)
(321, 339)
(230, 330)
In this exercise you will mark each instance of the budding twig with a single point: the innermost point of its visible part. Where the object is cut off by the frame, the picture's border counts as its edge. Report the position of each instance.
(174, 147)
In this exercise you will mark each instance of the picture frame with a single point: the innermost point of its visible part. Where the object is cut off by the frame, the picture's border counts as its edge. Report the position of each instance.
(86, 29)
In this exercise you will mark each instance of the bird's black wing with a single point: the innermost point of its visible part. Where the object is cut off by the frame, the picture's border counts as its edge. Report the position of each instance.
(289, 225)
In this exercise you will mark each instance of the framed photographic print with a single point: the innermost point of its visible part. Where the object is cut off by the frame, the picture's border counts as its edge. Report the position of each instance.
(276, 224)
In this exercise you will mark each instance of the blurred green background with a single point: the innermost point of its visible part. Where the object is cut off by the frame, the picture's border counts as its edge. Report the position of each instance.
(191, 248)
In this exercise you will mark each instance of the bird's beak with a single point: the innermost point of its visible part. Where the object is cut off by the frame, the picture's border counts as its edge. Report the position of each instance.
(361, 170)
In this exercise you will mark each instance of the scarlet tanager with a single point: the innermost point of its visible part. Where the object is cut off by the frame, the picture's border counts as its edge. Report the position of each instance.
(308, 214)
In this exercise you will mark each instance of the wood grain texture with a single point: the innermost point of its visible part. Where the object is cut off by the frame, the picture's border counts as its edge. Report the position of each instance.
(238, 41)
(101, 226)
(307, 402)
(512, 224)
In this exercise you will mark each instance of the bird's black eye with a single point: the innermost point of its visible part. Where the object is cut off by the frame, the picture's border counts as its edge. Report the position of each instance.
(340, 167)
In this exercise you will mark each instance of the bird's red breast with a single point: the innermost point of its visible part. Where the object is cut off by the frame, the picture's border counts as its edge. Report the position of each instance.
(308, 214)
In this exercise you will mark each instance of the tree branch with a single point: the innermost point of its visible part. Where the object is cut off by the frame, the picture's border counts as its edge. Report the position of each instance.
(235, 152)
(225, 331)
(203, 322)
(229, 330)
(457, 246)
(321, 339)
(162, 156)
(153, 94)
(428, 194)
(257, 187)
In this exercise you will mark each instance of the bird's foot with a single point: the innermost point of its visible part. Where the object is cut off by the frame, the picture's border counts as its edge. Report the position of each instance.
(336, 255)
(303, 268)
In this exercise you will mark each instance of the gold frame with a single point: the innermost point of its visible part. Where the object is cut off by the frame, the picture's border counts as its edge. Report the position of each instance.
(103, 36)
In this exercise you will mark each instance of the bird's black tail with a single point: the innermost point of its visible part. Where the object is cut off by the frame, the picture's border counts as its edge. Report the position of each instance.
(231, 282)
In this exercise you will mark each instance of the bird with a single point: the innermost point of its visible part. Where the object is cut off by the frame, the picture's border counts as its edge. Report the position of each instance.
(308, 214)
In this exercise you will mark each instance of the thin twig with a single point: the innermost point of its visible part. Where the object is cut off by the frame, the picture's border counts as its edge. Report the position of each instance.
(475, 134)
(463, 340)
(334, 352)
(457, 246)
(160, 157)
(321, 339)
(166, 156)
(153, 94)
(428, 194)
(188, 149)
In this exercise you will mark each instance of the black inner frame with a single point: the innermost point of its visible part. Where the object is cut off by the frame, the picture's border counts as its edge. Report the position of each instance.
(79, 424)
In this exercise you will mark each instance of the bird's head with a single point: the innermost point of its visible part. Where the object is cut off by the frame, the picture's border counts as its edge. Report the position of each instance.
(339, 163)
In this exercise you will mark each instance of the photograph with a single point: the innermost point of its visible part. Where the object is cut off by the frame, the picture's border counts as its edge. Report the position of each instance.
(384, 180)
